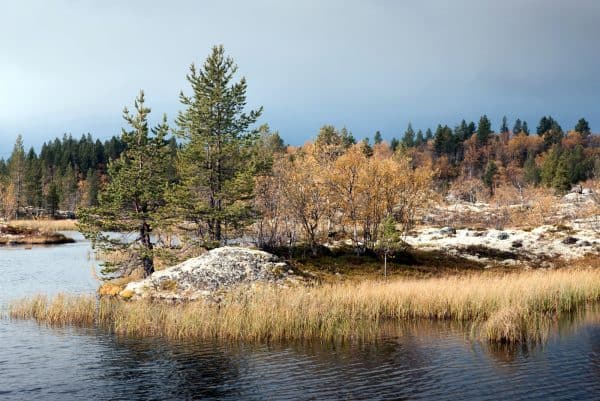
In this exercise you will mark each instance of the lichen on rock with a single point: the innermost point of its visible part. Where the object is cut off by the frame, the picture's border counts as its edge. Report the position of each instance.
(203, 276)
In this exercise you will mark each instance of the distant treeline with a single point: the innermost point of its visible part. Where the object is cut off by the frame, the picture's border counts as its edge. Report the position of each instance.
(67, 173)
(472, 154)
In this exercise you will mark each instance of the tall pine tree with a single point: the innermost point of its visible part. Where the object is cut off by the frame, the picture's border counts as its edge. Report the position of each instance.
(133, 198)
(215, 165)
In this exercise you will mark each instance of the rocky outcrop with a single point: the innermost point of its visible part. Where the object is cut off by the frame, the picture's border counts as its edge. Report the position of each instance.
(206, 275)
(541, 246)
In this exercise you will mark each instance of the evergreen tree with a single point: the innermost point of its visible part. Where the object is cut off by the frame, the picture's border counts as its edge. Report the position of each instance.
(549, 165)
(394, 143)
(33, 181)
(546, 124)
(408, 139)
(428, 135)
(553, 136)
(583, 127)
(135, 194)
(16, 168)
(489, 176)
(561, 180)
(462, 131)
(484, 130)
(366, 147)
(216, 167)
(471, 129)
(531, 171)
(347, 138)
(377, 138)
(518, 127)
(525, 128)
(93, 181)
(420, 139)
(68, 188)
(504, 126)
(52, 199)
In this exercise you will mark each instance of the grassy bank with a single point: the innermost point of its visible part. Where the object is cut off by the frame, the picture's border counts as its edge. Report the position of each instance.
(509, 308)
(46, 225)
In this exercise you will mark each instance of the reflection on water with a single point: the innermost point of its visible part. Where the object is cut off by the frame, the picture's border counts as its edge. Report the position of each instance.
(417, 360)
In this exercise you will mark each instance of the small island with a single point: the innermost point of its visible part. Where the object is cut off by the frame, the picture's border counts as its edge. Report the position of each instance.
(16, 235)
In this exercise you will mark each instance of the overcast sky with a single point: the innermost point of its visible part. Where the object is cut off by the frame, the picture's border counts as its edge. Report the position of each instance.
(70, 66)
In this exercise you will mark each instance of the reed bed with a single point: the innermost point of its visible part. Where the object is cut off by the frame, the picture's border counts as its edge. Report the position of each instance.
(508, 308)
(46, 225)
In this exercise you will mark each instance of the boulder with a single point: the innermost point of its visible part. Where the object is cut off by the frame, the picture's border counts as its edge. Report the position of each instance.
(447, 231)
(502, 235)
(569, 240)
(219, 269)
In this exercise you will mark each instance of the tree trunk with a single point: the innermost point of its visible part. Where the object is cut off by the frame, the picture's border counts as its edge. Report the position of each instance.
(385, 264)
(147, 260)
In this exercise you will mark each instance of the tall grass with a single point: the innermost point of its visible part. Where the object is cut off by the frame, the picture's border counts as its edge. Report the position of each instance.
(46, 225)
(510, 308)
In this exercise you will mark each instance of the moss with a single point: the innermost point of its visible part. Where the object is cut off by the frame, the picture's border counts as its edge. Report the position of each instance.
(168, 285)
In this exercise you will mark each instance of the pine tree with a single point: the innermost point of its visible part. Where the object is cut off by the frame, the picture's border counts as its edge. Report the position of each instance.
(525, 128)
(504, 126)
(377, 138)
(462, 131)
(471, 129)
(583, 127)
(420, 139)
(215, 164)
(561, 180)
(489, 176)
(531, 171)
(549, 165)
(93, 181)
(135, 194)
(33, 181)
(484, 130)
(518, 127)
(16, 167)
(366, 147)
(408, 139)
(428, 135)
(394, 143)
(389, 239)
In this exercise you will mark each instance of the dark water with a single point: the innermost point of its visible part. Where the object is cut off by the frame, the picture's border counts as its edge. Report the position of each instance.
(421, 361)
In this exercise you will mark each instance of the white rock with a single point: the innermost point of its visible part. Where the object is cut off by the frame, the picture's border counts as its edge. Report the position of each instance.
(218, 269)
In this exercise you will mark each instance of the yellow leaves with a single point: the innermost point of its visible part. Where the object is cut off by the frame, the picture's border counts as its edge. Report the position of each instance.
(350, 191)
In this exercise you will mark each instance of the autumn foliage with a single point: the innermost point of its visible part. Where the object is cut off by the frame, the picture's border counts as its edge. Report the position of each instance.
(318, 193)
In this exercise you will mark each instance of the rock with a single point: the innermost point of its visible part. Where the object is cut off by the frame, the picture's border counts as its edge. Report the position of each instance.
(219, 269)
(517, 244)
(502, 235)
(569, 240)
(587, 191)
(571, 197)
(447, 231)
(577, 189)
(584, 243)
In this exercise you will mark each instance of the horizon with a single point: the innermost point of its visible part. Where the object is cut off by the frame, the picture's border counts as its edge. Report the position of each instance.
(368, 67)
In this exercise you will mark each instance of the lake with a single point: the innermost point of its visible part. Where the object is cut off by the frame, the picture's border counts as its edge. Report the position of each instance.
(423, 360)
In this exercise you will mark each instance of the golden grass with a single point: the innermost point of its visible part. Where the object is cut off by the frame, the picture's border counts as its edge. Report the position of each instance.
(46, 225)
(508, 308)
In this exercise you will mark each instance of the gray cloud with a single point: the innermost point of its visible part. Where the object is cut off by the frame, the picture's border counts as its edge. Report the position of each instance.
(70, 66)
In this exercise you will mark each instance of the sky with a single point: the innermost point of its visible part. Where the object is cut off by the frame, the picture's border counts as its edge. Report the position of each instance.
(70, 66)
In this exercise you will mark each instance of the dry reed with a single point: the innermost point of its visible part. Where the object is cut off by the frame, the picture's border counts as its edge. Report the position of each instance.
(46, 225)
(508, 308)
